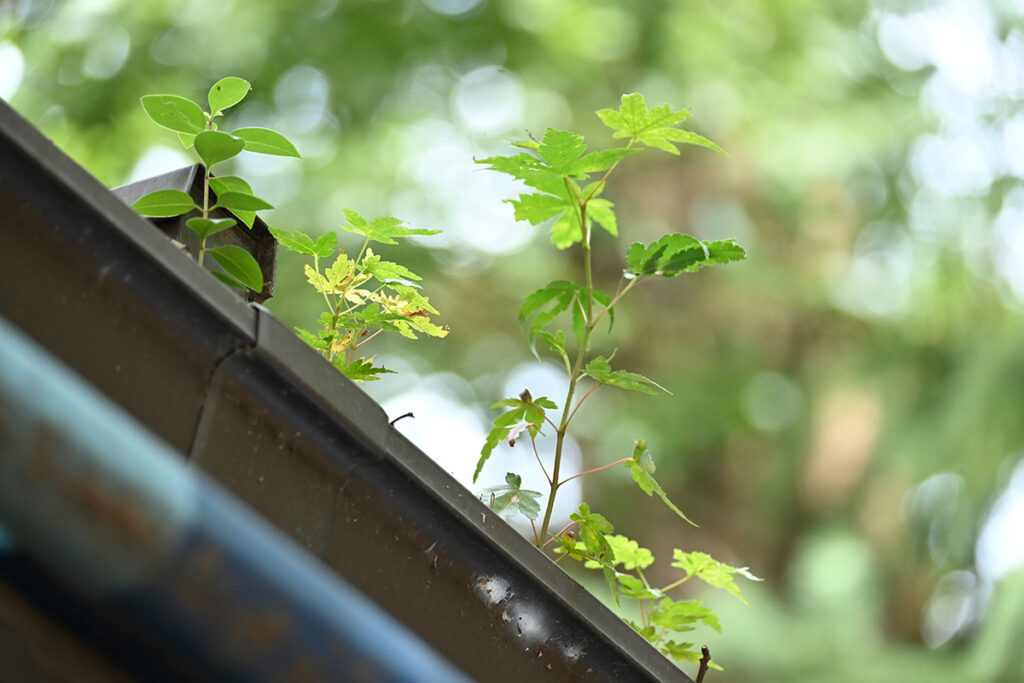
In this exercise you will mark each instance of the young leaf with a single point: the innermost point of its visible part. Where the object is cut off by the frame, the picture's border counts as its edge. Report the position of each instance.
(227, 92)
(510, 498)
(174, 112)
(592, 528)
(600, 210)
(294, 240)
(266, 141)
(653, 128)
(546, 304)
(523, 409)
(326, 244)
(681, 615)
(682, 652)
(677, 253)
(187, 139)
(165, 203)
(560, 149)
(530, 170)
(381, 230)
(601, 370)
(240, 265)
(205, 227)
(213, 146)
(628, 553)
(240, 201)
(642, 468)
(362, 370)
(537, 208)
(601, 161)
(230, 183)
(386, 270)
(711, 571)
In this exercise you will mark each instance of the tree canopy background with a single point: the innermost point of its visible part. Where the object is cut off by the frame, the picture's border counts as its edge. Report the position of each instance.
(848, 413)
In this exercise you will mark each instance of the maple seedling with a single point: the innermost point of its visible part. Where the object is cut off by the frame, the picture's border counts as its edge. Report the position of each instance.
(364, 295)
(566, 187)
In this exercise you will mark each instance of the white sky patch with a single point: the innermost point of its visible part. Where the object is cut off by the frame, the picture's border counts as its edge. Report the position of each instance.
(156, 160)
(1000, 547)
(12, 69)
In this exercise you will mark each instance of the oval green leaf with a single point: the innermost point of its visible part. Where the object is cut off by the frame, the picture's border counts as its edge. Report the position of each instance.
(227, 92)
(165, 203)
(241, 201)
(266, 141)
(177, 113)
(294, 240)
(214, 146)
(240, 265)
(205, 227)
(230, 183)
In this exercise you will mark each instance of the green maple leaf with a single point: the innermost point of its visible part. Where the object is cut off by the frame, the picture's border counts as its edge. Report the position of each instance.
(601, 370)
(524, 409)
(651, 127)
(678, 253)
(382, 230)
(511, 498)
(642, 468)
(711, 571)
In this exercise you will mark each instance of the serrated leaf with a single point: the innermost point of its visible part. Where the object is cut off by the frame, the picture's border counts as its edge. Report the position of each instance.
(605, 300)
(382, 230)
(522, 409)
(164, 204)
(531, 170)
(386, 270)
(205, 227)
(642, 468)
(628, 553)
(174, 112)
(601, 161)
(362, 370)
(600, 210)
(294, 240)
(326, 244)
(711, 571)
(266, 141)
(566, 231)
(681, 615)
(213, 146)
(682, 652)
(510, 498)
(632, 587)
(560, 149)
(654, 127)
(546, 304)
(227, 92)
(677, 253)
(240, 265)
(240, 201)
(222, 184)
(537, 208)
(601, 370)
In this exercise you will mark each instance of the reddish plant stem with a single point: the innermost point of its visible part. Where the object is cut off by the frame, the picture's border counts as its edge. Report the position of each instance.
(596, 469)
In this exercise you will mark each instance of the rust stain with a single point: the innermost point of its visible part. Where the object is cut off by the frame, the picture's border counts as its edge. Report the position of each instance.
(114, 510)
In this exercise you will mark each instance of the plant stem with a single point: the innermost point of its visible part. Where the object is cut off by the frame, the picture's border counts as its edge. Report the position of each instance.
(705, 660)
(206, 210)
(596, 469)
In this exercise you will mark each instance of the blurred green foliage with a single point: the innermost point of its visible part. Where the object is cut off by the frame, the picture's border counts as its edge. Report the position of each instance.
(854, 412)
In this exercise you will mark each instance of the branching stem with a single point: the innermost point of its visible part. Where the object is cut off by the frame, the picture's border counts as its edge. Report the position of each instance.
(596, 469)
